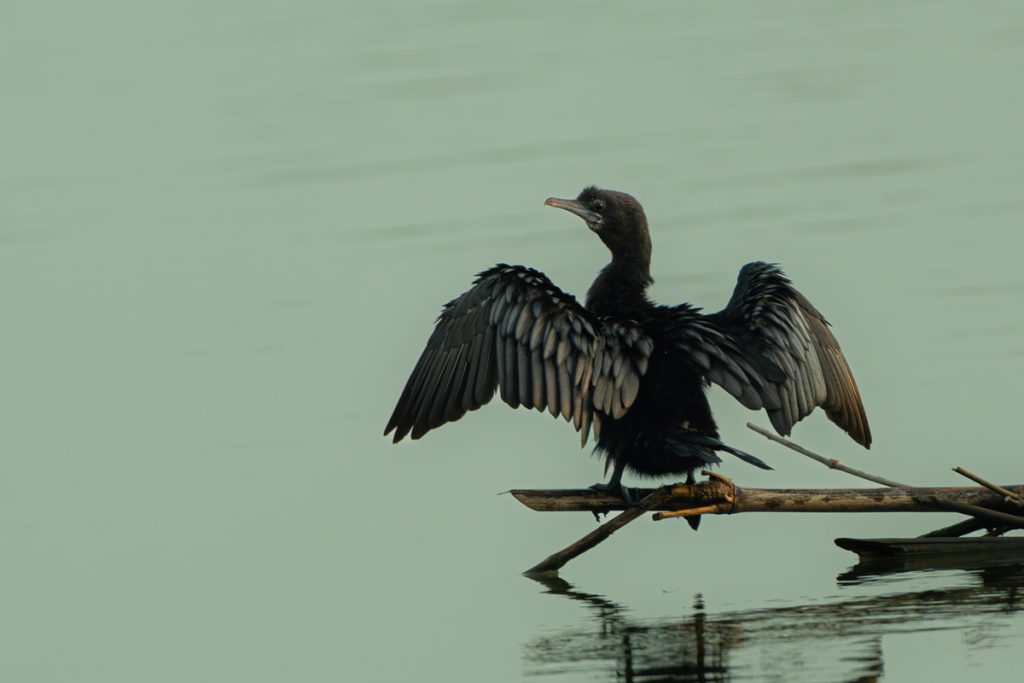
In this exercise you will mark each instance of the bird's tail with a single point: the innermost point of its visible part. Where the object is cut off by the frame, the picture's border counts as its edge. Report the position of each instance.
(714, 444)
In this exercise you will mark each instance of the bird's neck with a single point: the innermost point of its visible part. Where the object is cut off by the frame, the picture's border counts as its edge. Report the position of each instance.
(620, 288)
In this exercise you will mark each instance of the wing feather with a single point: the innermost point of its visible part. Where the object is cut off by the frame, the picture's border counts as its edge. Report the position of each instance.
(523, 365)
(551, 385)
(778, 334)
(537, 366)
(515, 332)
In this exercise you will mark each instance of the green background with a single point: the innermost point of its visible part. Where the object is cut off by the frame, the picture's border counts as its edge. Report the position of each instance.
(226, 229)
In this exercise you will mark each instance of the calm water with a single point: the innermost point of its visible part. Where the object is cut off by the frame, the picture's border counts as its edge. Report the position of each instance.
(225, 231)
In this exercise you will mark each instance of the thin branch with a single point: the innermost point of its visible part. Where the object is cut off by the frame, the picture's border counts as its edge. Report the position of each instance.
(716, 509)
(555, 562)
(828, 462)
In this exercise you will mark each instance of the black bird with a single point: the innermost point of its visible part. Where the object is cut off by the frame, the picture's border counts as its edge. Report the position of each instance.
(633, 371)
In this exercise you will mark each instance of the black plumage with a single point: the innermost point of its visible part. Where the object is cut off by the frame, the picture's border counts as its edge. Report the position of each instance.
(632, 371)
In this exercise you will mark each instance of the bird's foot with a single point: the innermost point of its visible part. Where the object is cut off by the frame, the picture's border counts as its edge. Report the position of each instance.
(627, 493)
(722, 485)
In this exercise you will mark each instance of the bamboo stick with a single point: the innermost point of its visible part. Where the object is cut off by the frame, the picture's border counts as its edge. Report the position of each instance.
(686, 496)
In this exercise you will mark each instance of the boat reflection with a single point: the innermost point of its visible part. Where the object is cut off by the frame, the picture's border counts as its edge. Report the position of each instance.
(835, 639)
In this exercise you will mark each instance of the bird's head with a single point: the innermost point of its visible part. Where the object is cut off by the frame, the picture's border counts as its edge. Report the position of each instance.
(616, 217)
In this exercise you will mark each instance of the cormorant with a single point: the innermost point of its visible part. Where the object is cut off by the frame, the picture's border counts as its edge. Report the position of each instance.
(632, 370)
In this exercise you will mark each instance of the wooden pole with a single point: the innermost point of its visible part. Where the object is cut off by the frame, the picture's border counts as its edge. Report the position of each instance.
(686, 496)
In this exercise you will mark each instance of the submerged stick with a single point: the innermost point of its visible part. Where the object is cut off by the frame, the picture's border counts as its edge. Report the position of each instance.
(555, 562)
(959, 529)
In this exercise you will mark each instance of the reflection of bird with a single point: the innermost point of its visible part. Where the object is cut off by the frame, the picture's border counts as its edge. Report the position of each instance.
(633, 371)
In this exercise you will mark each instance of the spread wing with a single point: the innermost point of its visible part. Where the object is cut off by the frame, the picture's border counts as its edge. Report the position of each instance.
(777, 333)
(516, 330)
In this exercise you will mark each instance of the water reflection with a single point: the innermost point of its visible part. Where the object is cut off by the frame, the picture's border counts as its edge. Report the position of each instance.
(840, 640)
(875, 569)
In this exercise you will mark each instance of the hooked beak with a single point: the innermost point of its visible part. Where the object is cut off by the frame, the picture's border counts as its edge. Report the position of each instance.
(573, 206)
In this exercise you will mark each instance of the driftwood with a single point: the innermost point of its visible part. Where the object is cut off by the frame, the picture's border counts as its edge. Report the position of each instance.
(716, 496)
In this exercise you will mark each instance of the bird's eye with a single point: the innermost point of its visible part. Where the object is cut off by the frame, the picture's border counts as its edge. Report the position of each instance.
(597, 204)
